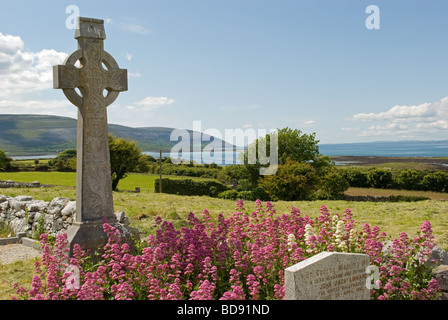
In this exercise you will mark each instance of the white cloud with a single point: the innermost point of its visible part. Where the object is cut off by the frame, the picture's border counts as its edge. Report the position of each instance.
(129, 56)
(408, 121)
(134, 75)
(50, 107)
(349, 129)
(152, 103)
(422, 110)
(25, 71)
(310, 122)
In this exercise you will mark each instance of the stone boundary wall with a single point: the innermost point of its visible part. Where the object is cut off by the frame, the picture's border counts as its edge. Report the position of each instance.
(366, 198)
(32, 217)
(14, 184)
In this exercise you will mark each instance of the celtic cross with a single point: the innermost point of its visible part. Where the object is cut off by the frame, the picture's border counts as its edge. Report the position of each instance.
(99, 80)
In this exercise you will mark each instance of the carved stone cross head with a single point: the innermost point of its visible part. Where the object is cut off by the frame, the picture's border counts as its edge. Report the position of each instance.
(97, 70)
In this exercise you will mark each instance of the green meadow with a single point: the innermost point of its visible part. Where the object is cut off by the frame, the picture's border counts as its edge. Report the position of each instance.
(142, 209)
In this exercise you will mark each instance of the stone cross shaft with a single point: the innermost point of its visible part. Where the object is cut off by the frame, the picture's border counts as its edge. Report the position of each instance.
(97, 77)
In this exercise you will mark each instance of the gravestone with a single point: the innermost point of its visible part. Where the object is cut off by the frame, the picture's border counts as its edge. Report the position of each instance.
(328, 276)
(99, 80)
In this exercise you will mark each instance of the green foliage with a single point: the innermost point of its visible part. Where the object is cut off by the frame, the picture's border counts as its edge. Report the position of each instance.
(188, 170)
(295, 145)
(356, 178)
(333, 185)
(293, 181)
(436, 181)
(190, 187)
(5, 161)
(379, 178)
(409, 180)
(228, 194)
(66, 154)
(65, 161)
(125, 156)
(292, 144)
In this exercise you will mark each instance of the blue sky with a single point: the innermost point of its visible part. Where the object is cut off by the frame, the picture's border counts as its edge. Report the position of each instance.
(248, 64)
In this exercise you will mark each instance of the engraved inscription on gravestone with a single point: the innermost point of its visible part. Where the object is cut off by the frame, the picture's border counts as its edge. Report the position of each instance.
(93, 72)
(328, 276)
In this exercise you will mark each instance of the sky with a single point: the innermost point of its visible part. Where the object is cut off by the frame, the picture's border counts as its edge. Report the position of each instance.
(331, 67)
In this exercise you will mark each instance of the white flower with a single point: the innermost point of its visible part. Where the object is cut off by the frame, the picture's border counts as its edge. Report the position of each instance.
(308, 232)
(291, 241)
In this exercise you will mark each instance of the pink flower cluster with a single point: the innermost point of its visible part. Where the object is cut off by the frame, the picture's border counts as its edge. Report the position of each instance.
(241, 257)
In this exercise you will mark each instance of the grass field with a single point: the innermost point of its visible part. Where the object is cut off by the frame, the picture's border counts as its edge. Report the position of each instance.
(142, 209)
(144, 181)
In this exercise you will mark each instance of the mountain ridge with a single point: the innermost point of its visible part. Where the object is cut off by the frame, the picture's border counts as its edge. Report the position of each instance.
(29, 134)
(32, 134)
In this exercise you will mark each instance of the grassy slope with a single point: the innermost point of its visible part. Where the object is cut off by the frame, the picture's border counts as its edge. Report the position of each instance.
(144, 207)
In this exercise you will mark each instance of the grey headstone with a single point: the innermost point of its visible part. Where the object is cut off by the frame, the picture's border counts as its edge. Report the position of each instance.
(328, 276)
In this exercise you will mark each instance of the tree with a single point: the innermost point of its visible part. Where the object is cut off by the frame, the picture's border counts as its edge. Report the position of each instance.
(295, 145)
(125, 157)
(293, 181)
(292, 144)
(5, 161)
(65, 160)
(379, 178)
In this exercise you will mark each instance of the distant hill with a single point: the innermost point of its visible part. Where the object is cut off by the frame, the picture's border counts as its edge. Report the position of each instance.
(42, 134)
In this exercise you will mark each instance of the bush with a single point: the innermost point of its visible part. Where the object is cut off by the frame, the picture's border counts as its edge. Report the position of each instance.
(42, 168)
(190, 187)
(293, 181)
(228, 194)
(247, 195)
(356, 178)
(5, 162)
(379, 178)
(333, 186)
(436, 181)
(409, 180)
(240, 257)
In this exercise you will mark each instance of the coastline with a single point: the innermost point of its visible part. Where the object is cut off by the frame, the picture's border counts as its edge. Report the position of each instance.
(436, 162)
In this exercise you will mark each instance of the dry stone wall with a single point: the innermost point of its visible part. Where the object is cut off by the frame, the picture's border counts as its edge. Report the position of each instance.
(33, 217)
(15, 184)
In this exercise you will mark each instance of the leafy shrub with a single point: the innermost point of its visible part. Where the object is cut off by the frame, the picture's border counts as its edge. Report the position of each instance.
(333, 185)
(379, 178)
(409, 180)
(228, 194)
(42, 168)
(356, 178)
(293, 181)
(241, 257)
(247, 195)
(436, 181)
(190, 187)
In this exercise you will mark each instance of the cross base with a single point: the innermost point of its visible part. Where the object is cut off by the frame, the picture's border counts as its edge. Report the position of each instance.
(91, 236)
